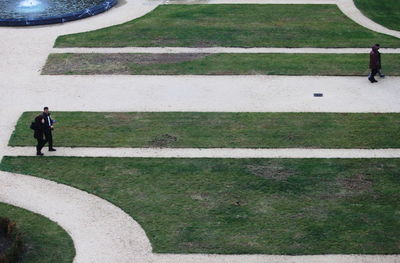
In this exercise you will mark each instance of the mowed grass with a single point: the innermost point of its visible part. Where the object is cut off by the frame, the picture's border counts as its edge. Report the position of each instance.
(384, 12)
(44, 241)
(243, 206)
(234, 26)
(214, 130)
(218, 64)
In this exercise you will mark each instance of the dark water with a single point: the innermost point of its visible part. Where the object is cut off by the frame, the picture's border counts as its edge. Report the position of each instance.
(21, 9)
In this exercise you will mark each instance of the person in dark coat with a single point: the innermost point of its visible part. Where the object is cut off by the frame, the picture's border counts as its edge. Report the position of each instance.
(374, 63)
(48, 128)
(380, 63)
(39, 131)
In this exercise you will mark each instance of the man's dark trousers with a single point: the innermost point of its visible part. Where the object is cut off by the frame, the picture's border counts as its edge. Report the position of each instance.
(372, 74)
(47, 131)
(49, 138)
(40, 144)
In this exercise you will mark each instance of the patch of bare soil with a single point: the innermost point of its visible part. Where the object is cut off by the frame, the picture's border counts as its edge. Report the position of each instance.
(119, 63)
(272, 171)
(348, 187)
(200, 196)
(356, 184)
(164, 140)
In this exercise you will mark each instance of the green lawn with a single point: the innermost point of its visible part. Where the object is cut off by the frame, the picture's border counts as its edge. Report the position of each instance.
(240, 206)
(213, 130)
(384, 12)
(234, 26)
(217, 64)
(44, 240)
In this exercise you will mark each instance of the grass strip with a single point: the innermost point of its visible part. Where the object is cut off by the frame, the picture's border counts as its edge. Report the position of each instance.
(216, 64)
(44, 241)
(243, 206)
(234, 26)
(384, 12)
(214, 130)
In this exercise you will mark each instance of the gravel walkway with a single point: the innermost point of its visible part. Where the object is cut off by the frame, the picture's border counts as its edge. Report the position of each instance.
(211, 153)
(203, 93)
(173, 50)
(101, 231)
(274, 259)
(97, 227)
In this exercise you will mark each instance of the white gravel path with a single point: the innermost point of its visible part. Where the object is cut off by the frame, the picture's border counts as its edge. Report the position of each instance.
(212, 50)
(205, 93)
(350, 10)
(97, 227)
(101, 231)
(210, 152)
(275, 259)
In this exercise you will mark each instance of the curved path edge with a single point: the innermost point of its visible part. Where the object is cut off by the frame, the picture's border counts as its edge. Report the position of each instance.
(101, 232)
(350, 10)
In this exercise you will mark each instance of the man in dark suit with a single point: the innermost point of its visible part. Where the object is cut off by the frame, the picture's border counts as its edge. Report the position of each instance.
(48, 128)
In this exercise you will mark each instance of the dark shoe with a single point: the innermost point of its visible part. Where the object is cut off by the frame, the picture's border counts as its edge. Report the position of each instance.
(39, 154)
(374, 80)
(382, 76)
(52, 150)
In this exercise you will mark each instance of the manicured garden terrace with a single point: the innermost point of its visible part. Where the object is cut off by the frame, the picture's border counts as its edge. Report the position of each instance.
(216, 64)
(243, 206)
(234, 26)
(216, 130)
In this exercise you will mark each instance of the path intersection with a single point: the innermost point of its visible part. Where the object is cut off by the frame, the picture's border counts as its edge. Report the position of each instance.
(23, 52)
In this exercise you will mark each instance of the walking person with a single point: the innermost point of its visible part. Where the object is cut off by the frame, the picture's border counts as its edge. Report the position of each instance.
(380, 63)
(48, 128)
(39, 127)
(374, 63)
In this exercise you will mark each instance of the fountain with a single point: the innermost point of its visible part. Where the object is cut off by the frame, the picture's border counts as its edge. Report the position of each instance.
(39, 12)
(29, 3)
(31, 6)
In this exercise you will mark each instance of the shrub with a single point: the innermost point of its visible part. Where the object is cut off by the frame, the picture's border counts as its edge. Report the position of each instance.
(8, 230)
